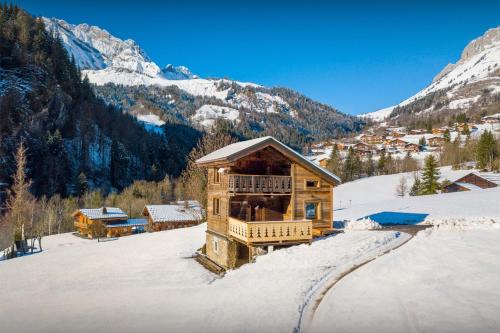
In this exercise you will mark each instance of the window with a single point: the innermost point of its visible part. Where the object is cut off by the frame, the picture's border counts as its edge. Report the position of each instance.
(216, 176)
(216, 206)
(312, 183)
(311, 210)
(216, 246)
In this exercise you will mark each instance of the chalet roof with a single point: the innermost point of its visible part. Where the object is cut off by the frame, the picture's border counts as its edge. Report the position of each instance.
(239, 149)
(129, 223)
(468, 186)
(102, 213)
(172, 213)
(489, 176)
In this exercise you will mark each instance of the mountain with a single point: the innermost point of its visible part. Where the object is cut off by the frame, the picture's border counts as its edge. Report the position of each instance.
(125, 76)
(470, 85)
(66, 128)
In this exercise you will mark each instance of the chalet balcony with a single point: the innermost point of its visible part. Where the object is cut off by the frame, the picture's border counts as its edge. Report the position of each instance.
(261, 232)
(259, 184)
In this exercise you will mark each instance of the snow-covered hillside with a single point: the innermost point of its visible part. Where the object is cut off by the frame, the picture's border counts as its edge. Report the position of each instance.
(105, 58)
(443, 280)
(478, 68)
(354, 200)
(148, 283)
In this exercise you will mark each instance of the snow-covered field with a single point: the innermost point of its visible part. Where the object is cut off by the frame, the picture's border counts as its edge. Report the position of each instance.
(374, 195)
(443, 280)
(146, 283)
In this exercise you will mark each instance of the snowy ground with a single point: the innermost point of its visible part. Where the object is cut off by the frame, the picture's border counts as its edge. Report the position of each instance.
(144, 283)
(373, 195)
(443, 280)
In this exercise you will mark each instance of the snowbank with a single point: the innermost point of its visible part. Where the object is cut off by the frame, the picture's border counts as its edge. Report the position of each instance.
(362, 224)
(463, 224)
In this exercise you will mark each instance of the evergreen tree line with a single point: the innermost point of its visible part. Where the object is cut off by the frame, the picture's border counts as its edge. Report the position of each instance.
(29, 218)
(353, 167)
(69, 131)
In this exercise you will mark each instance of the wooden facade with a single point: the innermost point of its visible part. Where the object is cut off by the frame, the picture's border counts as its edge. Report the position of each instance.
(107, 221)
(262, 195)
(472, 179)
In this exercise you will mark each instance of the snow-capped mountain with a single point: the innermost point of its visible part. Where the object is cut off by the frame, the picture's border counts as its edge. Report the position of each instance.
(144, 89)
(95, 49)
(461, 84)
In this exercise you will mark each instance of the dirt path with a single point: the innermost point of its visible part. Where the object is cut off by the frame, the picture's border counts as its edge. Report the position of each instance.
(309, 308)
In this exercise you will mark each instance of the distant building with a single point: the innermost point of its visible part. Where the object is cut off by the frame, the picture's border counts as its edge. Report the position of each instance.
(436, 141)
(412, 147)
(473, 181)
(491, 119)
(166, 217)
(113, 219)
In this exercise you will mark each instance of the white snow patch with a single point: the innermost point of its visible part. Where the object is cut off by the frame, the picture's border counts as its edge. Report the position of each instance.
(208, 114)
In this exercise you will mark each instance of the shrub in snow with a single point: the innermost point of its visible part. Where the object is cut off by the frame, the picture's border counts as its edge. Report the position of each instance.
(363, 224)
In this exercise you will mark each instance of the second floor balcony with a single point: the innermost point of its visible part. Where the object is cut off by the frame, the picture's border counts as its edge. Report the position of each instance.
(271, 184)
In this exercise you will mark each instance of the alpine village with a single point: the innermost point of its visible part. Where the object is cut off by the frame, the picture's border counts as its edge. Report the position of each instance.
(164, 195)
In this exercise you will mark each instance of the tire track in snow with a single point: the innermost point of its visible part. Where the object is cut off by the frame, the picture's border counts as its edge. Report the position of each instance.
(325, 284)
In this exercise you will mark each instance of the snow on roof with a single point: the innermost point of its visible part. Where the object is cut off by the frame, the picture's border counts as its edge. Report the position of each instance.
(490, 176)
(103, 213)
(129, 223)
(468, 186)
(235, 148)
(173, 213)
(231, 149)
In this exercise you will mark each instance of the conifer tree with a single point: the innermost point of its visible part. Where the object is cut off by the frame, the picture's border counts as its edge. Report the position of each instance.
(381, 163)
(486, 151)
(430, 176)
(447, 136)
(81, 185)
(416, 187)
(334, 164)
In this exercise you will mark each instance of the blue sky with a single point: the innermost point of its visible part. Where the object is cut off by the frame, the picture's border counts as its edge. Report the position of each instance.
(357, 56)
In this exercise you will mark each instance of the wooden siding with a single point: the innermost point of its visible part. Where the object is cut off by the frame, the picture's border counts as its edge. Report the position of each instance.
(322, 194)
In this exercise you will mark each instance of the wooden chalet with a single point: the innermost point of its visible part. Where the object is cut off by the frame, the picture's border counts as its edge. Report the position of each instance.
(435, 141)
(491, 119)
(114, 220)
(166, 217)
(412, 147)
(473, 181)
(263, 194)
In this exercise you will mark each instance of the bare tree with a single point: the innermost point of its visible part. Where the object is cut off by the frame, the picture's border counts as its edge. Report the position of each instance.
(402, 187)
(20, 201)
(194, 179)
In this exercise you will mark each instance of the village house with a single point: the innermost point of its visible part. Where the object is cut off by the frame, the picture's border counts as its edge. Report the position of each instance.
(440, 131)
(473, 181)
(371, 139)
(397, 143)
(321, 159)
(491, 119)
(114, 220)
(412, 147)
(166, 217)
(362, 149)
(261, 195)
(436, 141)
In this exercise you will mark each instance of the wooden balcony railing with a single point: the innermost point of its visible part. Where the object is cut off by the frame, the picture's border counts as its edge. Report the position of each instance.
(259, 184)
(270, 231)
